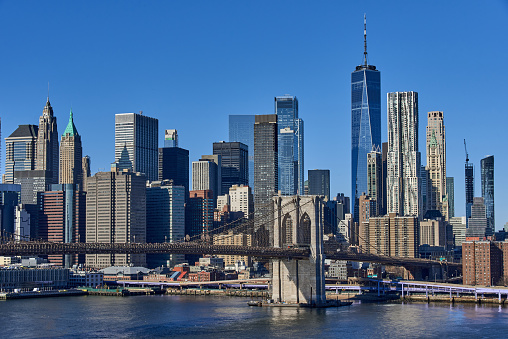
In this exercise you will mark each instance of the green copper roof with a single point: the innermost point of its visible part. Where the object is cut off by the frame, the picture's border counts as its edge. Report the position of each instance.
(70, 130)
(433, 141)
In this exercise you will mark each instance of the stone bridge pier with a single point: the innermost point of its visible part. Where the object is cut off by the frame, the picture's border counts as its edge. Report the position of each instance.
(298, 223)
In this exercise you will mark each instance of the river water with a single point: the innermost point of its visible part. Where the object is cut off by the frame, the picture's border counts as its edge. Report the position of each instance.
(220, 317)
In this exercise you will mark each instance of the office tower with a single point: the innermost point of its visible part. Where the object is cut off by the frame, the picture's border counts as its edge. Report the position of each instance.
(458, 229)
(62, 219)
(306, 187)
(365, 122)
(319, 182)
(478, 225)
(433, 232)
(22, 221)
(384, 173)
(342, 199)
(437, 198)
(266, 181)
(424, 179)
(241, 200)
(366, 210)
(403, 180)
(241, 129)
(116, 213)
(199, 218)
(174, 165)
(85, 163)
(32, 182)
(20, 151)
(393, 236)
(165, 220)
(450, 191)
(374, 180)
(71, 152)
(136, 144)
(290, 145)
(206, 175)
(9, 199)
(171, 138)
(487, 168)
(234, 164)
(47, 144)
(469, 184)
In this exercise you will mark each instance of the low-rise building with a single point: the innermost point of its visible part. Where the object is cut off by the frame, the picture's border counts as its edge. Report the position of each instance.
(85, 278)
(22, 277)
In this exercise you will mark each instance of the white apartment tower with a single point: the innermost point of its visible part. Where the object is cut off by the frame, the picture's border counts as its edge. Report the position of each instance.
(403, 178)
(437, 199)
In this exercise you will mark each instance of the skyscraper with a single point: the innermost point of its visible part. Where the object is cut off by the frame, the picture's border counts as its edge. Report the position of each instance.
(234, 164)
(437, 198)
(319, 182)
(85, 163)
(477, 225)
(365, 122)
(487, 168)
(266, 173)
(171, 138)
(374, 180)
(404, 159)
(265, 160)
(165, 219)
(116, 213)
(62, 219)
(71, 167)
(47, 144)
(241, 129)
(450, 190)
(469, 184)
(20, 151)
(206, 175)
(174, 165)
(290, 145)
(136, 144)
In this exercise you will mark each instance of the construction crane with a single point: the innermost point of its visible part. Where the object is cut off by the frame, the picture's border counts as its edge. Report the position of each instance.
(465, 148)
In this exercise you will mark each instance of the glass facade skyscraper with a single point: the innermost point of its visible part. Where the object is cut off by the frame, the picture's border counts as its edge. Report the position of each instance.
(487, 168)
(20, 151)
(234, 164)
(319, 182)
(365, 124)
(136, 143)
(290, 144)
(241, 129)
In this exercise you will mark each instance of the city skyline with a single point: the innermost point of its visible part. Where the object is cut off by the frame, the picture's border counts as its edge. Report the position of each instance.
(323, 71)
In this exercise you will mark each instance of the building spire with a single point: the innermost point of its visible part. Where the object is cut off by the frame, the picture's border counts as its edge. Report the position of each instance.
(48, 91)
(365, 39)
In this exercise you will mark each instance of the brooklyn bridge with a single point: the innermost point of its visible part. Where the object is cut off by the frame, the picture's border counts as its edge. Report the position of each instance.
(292, 239)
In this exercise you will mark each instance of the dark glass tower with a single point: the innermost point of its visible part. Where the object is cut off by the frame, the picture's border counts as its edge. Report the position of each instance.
(365, 123)
(174, 165)
(234, 164)
(241, 129)
(319, 182)
(290, 144)
(487, 168)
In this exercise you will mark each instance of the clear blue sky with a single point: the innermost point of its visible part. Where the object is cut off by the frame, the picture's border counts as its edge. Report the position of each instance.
(191, 64)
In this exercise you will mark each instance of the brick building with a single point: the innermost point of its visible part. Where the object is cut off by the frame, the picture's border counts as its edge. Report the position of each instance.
(484, 262)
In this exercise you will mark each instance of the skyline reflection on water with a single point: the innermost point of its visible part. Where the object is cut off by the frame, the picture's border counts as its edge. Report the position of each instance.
(218, 317)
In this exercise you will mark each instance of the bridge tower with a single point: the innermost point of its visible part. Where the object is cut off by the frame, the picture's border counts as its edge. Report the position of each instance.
(298, 223)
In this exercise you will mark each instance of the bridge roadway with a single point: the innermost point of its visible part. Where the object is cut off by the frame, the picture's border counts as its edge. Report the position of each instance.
(52, 248)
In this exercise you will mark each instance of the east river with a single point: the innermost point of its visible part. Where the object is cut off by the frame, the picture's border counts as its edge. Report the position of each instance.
(222, 317)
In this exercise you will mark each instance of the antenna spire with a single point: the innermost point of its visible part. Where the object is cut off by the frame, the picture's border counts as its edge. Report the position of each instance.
(365, 39)
(48, 91)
